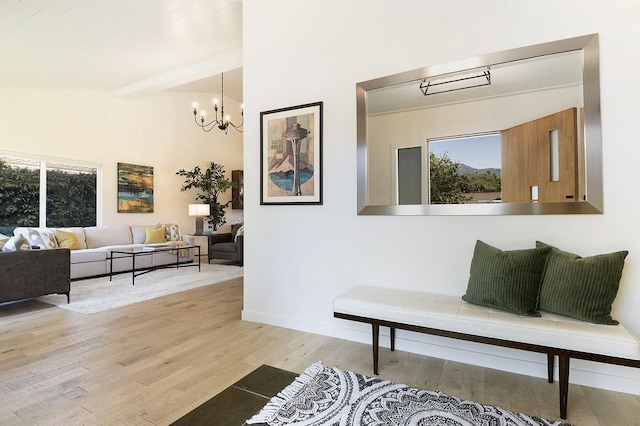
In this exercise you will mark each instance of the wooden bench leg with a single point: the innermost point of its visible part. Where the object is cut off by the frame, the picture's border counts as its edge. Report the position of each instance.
(375, 329)
(550, 361)
(392, 333)
(564, 384)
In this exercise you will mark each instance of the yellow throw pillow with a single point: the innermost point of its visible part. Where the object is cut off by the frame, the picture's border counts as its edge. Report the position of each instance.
(155, 235)
(67, 239)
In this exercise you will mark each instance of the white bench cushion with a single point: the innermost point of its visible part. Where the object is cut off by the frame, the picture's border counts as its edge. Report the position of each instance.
(451, 313)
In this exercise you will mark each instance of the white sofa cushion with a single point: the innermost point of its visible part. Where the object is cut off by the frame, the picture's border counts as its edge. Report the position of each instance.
(100, 236)
(139, 234)
(88, 255)
(451, 313)
(88, 269)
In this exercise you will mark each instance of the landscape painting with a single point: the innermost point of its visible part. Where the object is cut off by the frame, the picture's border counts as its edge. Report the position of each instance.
(291, 145)
(135, 188)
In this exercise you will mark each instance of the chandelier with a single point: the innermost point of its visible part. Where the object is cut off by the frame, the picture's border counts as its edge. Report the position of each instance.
(224, 123)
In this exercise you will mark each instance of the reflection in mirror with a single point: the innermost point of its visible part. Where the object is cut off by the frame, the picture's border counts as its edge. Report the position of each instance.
(515, 132)
(465, 169)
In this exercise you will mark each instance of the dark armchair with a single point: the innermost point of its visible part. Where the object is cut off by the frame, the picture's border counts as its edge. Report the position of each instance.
(227, 245)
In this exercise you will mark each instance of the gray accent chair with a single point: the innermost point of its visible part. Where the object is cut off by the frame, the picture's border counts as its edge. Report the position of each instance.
(227, 246)
(34, 273)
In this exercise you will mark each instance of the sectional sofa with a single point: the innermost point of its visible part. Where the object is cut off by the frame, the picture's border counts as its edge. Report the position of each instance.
(91, 246)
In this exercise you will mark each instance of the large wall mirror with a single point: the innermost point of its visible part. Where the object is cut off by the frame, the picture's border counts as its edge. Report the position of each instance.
(513, 132)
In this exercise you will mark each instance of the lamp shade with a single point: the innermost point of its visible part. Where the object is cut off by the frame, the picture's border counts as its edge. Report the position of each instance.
(199, 210)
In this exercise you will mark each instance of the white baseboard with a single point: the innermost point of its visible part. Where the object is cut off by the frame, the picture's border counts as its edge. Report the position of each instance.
(585, 373)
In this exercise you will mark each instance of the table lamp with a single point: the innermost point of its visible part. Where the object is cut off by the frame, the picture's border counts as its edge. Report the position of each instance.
(199, 211)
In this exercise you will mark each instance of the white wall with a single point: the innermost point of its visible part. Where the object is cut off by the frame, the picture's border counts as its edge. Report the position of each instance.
(155, 130)
(298, 258)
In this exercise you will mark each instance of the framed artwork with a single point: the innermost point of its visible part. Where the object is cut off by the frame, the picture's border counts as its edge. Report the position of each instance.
(291, 155)
(135, 188)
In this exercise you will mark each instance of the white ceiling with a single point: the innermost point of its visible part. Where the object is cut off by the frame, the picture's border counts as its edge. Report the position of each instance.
(131, 47)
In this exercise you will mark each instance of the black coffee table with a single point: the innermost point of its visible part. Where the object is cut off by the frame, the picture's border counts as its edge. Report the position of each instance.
(148, 251)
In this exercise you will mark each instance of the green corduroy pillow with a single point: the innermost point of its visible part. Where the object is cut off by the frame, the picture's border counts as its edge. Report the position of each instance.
(581, 287)
(507, 280)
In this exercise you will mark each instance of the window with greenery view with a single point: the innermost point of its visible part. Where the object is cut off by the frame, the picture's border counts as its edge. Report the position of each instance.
(53, 194)
(465, 169)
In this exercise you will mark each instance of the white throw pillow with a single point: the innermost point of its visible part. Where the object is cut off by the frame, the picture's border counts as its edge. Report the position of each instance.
(239, 232)
(172, 231)
(43, 238)
(16, 243)
(3, 240)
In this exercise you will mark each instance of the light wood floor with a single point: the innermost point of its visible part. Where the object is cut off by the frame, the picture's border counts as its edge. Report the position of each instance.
(152, 362)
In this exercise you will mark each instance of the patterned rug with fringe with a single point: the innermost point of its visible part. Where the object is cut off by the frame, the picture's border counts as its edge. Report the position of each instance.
(329, 396)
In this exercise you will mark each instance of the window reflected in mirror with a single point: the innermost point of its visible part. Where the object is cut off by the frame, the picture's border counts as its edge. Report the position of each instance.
(465, 169)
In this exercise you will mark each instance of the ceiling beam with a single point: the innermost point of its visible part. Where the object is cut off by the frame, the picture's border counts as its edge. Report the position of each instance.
(177, 77)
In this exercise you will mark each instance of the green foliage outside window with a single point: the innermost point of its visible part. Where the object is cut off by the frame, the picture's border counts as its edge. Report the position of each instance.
(485, 181)
(449, 186)
(71, 197)
(446, 184)
(19, 195)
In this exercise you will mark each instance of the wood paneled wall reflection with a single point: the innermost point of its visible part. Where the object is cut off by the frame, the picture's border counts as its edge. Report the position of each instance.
(527, 157)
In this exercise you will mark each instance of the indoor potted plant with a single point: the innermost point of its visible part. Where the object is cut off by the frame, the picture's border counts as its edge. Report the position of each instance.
(212, 183)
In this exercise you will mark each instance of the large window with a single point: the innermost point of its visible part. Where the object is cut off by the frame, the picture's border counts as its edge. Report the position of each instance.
(48, 192)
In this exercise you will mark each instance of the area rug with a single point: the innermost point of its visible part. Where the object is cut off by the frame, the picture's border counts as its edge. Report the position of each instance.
(328, 396)
(100, 294)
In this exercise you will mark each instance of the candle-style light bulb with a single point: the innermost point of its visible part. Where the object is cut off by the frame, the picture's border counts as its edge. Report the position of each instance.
(224, 122)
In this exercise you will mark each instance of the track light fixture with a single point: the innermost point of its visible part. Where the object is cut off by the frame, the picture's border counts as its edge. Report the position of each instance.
(459, 81)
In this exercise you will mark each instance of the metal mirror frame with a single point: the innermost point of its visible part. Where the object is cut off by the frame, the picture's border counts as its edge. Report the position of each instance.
(593, 203)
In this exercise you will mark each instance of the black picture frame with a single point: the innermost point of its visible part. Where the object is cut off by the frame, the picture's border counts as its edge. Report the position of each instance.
(291, 155)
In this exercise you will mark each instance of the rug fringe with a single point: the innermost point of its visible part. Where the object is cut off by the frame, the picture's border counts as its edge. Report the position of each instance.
(269, 411)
